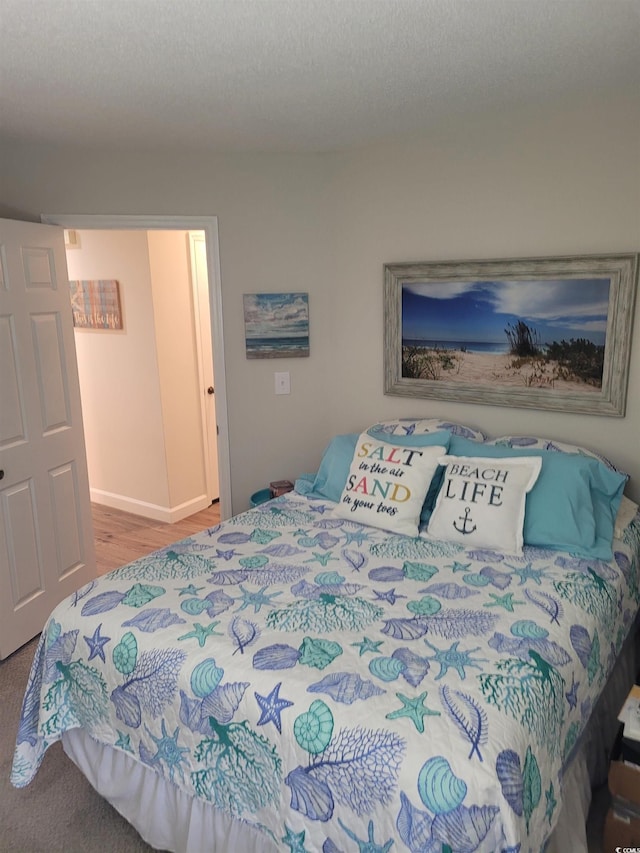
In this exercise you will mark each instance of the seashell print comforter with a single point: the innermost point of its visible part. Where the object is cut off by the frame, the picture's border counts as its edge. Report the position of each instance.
(337, 687)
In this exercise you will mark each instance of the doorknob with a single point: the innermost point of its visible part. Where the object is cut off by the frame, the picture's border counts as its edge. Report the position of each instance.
(210, 389)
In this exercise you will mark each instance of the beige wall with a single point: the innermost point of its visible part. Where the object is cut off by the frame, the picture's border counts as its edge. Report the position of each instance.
(139, 386)
(541, 182)
(119, 380)
(554, 183)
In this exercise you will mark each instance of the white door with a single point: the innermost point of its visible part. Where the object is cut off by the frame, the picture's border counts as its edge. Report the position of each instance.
(204, 341)
(46, 533)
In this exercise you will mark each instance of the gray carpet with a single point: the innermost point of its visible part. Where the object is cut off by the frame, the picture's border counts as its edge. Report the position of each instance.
(59, 812)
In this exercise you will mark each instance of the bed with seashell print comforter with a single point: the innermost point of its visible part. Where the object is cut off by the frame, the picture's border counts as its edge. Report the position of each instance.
(331, 687)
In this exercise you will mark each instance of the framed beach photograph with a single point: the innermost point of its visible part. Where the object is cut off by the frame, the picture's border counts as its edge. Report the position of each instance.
(276, 325)
(543, 333)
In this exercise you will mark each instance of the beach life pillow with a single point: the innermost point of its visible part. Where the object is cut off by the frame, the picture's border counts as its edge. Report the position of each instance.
(387, 484)
(336, 460)
(420, 426)
(482, 502)
(574, 503)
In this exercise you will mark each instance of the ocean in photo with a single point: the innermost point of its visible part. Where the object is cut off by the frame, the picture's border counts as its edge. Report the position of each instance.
(274, 347)
(484, 347)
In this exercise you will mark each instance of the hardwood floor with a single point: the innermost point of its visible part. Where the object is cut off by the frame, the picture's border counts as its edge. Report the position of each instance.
(121, 537)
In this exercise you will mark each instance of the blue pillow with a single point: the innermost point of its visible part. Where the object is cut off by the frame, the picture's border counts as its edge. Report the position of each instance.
(304, 484)
(574, 503)
(334, 466)
(336, 459)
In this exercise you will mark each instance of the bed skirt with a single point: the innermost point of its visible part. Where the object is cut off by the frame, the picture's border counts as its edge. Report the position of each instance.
(168, 819)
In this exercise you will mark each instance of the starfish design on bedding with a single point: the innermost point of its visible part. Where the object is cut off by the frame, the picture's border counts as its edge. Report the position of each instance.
(505, 601)
(201, 634)
(368, 645)
(389, 595)
(271, 707)
(190, 590)
(368, 845)
(528, 573)
(226, 555)
(357, 536)
(551, 802)
(572, 693)
(458, 567)
(96, 643)
(414, 709)
(168, 750)
(256, 599)
(123, 741)
(323, 559)
(454, 659)
(294, 840)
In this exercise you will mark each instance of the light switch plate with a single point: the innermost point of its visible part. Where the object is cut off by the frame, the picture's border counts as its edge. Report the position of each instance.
(283, 383)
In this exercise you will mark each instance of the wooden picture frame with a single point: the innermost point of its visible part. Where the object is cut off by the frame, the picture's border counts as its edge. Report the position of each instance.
(544, 333)
(96, 304)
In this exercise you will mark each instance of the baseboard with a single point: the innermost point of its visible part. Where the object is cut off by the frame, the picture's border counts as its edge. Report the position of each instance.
(169, 515)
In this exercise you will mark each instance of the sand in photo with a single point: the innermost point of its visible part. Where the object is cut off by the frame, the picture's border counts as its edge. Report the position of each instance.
(492, 369)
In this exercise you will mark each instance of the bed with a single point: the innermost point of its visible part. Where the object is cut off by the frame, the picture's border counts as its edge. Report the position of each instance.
(356, 666)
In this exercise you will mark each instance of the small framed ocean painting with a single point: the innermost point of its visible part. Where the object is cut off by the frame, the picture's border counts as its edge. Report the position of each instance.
(276, 325)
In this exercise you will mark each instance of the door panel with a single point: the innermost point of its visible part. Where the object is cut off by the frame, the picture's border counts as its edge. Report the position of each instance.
(12, 429)
(67, 522)
(46, 534)
(25, 570)
(39, 268)
(48, 348)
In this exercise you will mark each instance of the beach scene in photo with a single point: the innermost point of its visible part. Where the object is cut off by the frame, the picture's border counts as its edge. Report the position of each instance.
(276, 325)
(541, 333)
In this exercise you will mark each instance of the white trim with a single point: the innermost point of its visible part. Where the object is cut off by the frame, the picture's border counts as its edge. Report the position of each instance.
(208, 224)
(204, 347)
(167, 514)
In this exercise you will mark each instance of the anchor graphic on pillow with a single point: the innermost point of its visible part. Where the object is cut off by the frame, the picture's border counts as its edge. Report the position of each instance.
(466, 523)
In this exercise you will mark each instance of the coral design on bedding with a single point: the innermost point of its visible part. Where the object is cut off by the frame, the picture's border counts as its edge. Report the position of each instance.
(337, 687)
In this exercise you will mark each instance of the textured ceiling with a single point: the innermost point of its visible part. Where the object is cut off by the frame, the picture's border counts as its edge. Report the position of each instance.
(297, 75)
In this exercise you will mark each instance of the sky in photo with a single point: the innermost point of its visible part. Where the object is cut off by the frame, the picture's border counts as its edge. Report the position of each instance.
(479, 311)
(276, 315)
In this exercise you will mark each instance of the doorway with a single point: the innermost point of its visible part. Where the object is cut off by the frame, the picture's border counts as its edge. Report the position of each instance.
(207, 226)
